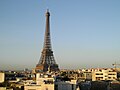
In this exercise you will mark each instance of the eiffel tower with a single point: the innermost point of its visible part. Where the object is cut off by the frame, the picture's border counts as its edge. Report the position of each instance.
(47, 61)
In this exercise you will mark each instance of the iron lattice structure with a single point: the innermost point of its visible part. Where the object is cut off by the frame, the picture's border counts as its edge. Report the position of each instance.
(47, 60)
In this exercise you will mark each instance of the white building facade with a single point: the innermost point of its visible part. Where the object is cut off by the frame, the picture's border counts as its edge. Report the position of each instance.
(46, 82)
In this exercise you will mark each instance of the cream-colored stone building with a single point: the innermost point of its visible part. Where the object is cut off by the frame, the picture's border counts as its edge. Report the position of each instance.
(104, 74)
(47, 82)
(32, 87)
(43, 82)
(2, 77)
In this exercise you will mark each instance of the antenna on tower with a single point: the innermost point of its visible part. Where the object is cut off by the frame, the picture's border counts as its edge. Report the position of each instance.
(115, 65)
(47, 10)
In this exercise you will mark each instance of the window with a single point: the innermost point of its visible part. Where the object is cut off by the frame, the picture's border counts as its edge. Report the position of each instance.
(72, 87)
(56, 87)
(99, 73)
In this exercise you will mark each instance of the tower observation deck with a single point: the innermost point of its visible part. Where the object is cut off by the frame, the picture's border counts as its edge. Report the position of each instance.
(47, 60)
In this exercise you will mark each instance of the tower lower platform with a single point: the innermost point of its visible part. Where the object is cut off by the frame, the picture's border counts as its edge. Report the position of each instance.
(46, 67)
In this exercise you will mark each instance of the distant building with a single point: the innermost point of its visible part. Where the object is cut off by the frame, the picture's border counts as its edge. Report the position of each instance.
(65, 85)
(87, 75)
(2, 88)
(2, 77)
(32, 87)
(48, 82)
(104, 74)
(81, 75)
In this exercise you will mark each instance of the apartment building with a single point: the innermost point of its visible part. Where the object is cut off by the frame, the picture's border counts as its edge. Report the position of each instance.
(104, 74)
(2, 77)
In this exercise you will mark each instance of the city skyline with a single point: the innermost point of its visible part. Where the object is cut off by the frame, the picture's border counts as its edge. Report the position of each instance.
(84, 34)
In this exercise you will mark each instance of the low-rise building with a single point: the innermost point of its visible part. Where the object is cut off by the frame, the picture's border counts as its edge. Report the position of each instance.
(32, 87)
(2, 77)
(2, 88)
(43, 82)
(104, 74)
(48, 82)
(87, 75)
(65, 85)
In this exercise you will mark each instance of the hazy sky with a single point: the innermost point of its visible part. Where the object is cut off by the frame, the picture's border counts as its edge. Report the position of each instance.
(84, 33)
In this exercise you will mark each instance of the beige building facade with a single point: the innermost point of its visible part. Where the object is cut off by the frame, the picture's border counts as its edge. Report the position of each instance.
(104, 74)
(2, 77)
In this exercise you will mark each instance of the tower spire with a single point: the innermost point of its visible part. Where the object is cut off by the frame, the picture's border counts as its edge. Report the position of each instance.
(47, 58)
(47, 10)
(47, 42)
